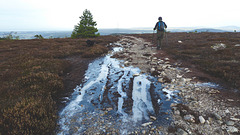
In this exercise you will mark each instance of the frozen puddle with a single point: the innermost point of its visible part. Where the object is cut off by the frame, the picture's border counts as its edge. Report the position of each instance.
(115, 99)
(208, 84)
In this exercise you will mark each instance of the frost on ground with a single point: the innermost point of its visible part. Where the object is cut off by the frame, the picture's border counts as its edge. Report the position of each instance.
(219, 46)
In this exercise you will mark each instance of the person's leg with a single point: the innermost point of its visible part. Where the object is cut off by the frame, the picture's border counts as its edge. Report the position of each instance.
(158, 43)
(158, 39)
(161, 35)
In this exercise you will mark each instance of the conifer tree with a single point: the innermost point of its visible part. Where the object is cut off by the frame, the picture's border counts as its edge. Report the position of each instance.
(86, 26)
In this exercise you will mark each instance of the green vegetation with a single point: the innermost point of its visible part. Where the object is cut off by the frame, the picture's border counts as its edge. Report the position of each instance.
(86, 26)
(38, 37)
(32, 77)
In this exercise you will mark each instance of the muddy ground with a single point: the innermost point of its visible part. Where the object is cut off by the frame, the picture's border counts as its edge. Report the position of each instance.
(73, 77)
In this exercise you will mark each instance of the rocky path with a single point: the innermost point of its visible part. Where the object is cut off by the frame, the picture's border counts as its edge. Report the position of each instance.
(201, 111)
(131, 91)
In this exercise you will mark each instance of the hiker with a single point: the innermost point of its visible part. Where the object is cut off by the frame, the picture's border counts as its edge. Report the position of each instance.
(160, 26)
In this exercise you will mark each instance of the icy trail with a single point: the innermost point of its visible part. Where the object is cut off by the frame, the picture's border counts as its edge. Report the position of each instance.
(115, 99)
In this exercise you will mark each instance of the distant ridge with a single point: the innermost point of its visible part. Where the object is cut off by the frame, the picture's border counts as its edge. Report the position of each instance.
(118, 31)
(209, 30)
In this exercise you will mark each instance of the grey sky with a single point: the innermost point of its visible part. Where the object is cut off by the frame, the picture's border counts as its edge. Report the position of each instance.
(64, 14)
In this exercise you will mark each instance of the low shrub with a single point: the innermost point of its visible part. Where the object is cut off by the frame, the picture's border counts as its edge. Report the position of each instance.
(94, 51)
(31, 78)
(31, 115)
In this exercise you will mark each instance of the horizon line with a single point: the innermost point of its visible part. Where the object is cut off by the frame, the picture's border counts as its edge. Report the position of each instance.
(133, 28)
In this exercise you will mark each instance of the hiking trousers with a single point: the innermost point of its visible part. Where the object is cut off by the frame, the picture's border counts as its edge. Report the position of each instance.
(160, 35)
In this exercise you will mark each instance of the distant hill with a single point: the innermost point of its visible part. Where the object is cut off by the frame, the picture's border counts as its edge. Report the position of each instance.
(124, 31)
(229, 28)
(31, 34)
(208, 30)
(117, 31)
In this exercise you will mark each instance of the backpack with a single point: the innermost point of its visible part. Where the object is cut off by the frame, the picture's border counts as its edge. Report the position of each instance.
(161, 26)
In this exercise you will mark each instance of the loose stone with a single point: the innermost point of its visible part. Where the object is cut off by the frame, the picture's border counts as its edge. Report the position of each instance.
(152, 69)
(230, 123)
(146, 124)
(181, 132)
(230, 100)
(232, 129)
(166, 59)
(136, 75)
(189, 118)
(218, 117)
(173, 104)
(153, 118)
(235, 119)
(201, 119)
(143, 132)
(227, 111)
(126, 63)
(177, 112)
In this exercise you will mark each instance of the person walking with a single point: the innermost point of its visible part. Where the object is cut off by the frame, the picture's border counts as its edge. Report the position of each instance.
(160, 26)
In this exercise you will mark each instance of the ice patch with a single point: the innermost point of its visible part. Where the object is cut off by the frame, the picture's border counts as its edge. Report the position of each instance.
(237, 45)
(169, 93)
(219, 46)
(141, 98)
(208, 84)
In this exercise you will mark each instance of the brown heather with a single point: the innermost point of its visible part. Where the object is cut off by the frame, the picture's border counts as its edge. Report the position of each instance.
(196, 52)
(31, 76)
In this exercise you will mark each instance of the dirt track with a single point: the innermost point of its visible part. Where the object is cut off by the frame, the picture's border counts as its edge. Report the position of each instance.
(201, 110)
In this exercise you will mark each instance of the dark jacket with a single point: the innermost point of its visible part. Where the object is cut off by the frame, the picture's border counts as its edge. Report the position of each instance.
(157, 25)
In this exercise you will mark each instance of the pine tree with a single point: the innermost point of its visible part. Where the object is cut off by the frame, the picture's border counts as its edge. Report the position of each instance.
(86, 27)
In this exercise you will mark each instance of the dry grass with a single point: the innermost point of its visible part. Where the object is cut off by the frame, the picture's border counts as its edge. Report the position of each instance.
(32, 76)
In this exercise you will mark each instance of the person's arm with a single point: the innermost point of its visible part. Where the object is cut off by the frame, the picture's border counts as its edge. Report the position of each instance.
(165, 25)
(156, 26)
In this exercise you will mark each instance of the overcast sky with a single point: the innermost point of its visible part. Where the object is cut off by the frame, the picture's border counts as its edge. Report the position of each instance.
(64, 14)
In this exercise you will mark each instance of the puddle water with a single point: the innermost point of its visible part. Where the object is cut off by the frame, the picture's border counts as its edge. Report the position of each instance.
(115, 97)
